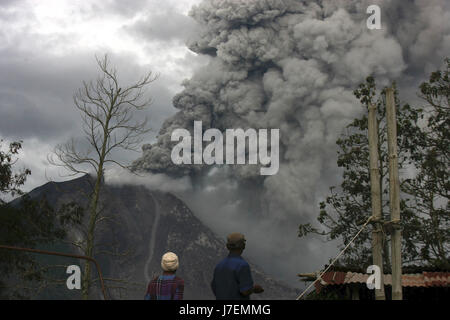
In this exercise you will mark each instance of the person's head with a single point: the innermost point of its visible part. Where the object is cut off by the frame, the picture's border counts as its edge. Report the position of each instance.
(169, 262)
(236, 242)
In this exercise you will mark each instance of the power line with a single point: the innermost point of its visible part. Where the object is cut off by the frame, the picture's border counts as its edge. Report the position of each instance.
(335, 259)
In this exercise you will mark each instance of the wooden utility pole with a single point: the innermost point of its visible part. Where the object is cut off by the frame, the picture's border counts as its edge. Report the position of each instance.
(375, 188)
(394, 197)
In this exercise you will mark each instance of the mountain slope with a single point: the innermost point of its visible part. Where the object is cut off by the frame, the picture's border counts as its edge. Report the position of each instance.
(145, 224)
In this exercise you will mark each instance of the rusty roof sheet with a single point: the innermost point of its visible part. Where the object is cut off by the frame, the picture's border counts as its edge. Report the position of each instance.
(436, 279)
(424, 279)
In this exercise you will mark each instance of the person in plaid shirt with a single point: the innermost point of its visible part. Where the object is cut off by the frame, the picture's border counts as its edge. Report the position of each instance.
(167, 286)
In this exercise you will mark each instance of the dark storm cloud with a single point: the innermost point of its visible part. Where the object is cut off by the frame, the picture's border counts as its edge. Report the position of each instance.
(21, 118)
(46, 53)
(126, 8)
(36, 92)
(40, 72)
(163, 22)
(9, 3)
(164, 26)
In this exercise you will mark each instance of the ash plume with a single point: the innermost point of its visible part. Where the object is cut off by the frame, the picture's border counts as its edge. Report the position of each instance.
(290, 65)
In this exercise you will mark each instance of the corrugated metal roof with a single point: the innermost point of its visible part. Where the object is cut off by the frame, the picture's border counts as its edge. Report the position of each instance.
(436, 279)
(424, 279)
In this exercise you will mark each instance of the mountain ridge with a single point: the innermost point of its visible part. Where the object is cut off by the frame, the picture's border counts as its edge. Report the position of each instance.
(146, 224)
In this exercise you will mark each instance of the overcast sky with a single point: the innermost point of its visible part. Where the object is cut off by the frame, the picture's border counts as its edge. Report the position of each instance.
(48, 47)
(320, 54)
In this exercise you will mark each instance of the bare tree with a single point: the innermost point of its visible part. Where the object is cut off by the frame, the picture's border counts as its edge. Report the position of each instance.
(107, 111)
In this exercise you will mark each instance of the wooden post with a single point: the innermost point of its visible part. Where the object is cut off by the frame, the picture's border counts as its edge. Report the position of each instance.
(355, 291)
(394, 197)
(375, 188)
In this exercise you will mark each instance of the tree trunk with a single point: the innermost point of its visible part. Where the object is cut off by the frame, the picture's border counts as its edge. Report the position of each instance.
(89, 250)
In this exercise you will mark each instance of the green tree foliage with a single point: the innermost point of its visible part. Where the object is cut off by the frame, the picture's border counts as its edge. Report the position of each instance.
(429, 189)
(10, 182)
(25, 223)
(423, 149)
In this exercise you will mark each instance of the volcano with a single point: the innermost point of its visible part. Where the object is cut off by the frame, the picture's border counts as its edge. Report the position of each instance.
(140, 226)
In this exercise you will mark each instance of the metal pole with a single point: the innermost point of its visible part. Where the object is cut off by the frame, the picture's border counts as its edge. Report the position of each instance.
(394, 197)
(377, 233)
(53, 253)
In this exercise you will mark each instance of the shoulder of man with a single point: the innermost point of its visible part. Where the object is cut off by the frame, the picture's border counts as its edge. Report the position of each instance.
(222, 262)
(243, 262)
(239, 263)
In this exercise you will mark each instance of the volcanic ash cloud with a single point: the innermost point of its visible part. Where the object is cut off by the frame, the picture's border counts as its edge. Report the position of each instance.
(292, 65)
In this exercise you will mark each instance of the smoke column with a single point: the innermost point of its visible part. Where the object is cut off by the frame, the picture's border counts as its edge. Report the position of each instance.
(290, 65)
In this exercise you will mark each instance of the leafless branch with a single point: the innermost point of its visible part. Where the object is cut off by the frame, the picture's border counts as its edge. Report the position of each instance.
(107, 112)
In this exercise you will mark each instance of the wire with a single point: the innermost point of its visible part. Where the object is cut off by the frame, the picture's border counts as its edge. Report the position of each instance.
(335, 259)
(62, 254)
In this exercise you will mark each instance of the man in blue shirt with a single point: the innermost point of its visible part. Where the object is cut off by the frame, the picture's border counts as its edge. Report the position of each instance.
(232, 277)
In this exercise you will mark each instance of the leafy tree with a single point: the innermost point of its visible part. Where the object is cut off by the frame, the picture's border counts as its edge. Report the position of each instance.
(349, 205)
(107, 110)
(10, 182)
(25, 223)
(429, 188)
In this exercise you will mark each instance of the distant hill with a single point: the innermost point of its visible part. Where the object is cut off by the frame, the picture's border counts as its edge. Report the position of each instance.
(147, 224)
